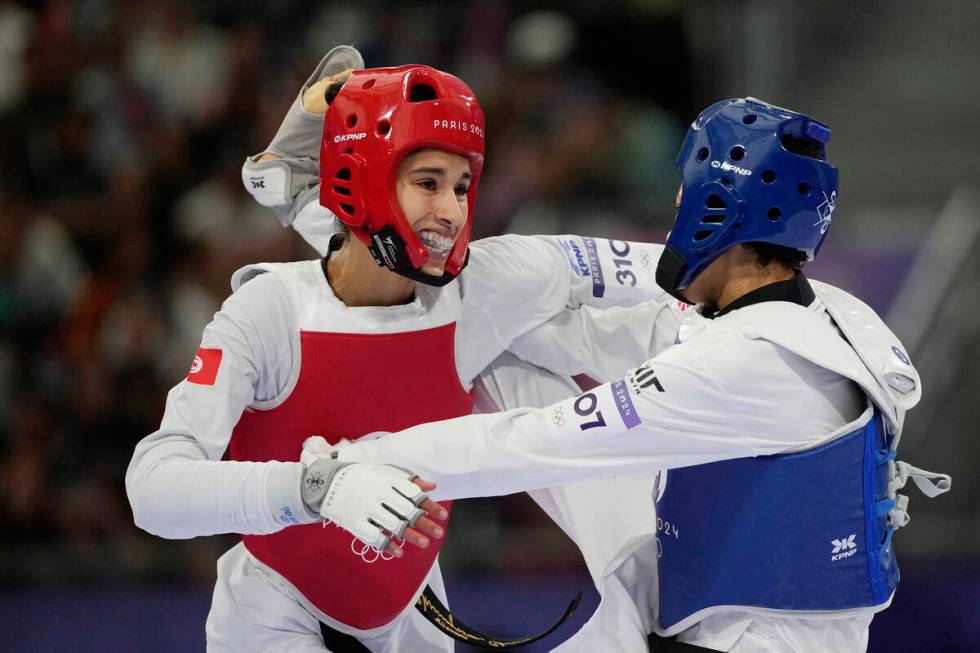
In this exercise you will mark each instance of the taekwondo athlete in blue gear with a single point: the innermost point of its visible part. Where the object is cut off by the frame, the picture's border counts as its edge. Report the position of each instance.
(777, 412)
(743, 185)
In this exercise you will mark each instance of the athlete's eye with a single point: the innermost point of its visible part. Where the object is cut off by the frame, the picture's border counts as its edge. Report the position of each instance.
(462, 189)
(427, 184)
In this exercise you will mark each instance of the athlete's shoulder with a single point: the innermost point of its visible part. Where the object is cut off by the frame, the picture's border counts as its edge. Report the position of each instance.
(757, 337)
(879, 348)
(839, 333)
(294, 272)
(845, 307)
(495, 251)
(807, 331)
(274, 291)
(494, 243)
(509, 265)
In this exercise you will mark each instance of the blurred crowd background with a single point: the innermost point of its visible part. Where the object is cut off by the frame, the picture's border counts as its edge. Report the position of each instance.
(123, 126)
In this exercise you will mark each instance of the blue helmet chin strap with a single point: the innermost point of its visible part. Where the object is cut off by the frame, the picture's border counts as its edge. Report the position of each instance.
(741, 184)
(670, 269)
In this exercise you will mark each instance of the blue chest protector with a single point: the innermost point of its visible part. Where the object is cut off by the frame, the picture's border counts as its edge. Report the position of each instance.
(797, 532)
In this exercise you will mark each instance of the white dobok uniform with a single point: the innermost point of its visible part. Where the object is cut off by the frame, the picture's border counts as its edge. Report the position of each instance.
(771, 377)
(249, 366)
(582, 509)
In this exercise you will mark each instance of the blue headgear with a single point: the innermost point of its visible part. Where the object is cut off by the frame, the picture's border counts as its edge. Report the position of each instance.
(741, 184)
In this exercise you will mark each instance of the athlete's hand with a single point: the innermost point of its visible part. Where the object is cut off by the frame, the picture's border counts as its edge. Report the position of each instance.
(317, 97)
(380, 504)
(424, 527)
(377, 503)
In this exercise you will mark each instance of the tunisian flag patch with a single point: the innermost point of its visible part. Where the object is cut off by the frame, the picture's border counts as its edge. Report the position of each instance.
(204, 369)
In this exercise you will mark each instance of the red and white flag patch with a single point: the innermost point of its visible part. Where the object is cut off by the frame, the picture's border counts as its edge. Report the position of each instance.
(204, 369)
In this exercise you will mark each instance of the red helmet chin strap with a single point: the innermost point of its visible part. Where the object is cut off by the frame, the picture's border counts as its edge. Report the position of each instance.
(388, 250)
(460, 253)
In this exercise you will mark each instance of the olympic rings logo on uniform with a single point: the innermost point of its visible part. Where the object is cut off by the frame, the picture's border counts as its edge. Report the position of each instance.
(558, 417)
(365, 551)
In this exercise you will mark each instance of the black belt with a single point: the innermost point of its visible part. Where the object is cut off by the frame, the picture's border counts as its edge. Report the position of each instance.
(439, 615)
(339, 642)
(660, 644)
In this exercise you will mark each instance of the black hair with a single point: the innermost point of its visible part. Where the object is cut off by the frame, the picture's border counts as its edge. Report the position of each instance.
(766, 253)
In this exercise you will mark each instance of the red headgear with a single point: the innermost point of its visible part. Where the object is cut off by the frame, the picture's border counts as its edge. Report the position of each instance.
(380, 116)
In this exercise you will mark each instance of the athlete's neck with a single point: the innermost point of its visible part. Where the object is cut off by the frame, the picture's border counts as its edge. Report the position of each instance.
(357, 280)
(740, 286)
(732, 275)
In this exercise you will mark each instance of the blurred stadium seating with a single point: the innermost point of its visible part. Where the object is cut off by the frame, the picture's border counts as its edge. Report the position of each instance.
(124, 125)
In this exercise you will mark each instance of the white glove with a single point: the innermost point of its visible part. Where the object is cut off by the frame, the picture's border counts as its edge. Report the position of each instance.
(317, 447)
(374, 502)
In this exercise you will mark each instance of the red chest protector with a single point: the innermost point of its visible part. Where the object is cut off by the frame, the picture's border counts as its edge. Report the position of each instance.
(351, 384)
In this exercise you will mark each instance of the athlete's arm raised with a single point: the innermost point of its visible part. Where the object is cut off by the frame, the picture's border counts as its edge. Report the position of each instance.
(516, 283)
(602, 343)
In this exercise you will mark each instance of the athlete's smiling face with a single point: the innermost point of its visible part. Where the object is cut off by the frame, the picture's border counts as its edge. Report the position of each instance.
(431, 189)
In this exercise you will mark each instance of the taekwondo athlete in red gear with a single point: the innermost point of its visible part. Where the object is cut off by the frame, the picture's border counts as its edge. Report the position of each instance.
(342, 347)
(579, 509)
(777, 411)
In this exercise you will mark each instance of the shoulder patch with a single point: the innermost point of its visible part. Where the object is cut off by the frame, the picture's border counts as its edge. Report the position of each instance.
(204, 367)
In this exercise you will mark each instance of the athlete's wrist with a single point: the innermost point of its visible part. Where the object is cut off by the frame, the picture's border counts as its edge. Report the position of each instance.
(284, 495)
(317, 477)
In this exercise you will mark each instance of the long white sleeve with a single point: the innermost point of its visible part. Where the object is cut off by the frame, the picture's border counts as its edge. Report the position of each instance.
(177, 484)
(672, 412)
(516, 283)
(602, 343)
(580, 509)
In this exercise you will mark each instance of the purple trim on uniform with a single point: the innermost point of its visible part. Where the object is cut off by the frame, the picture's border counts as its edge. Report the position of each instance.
(624, 403)
(598, 284)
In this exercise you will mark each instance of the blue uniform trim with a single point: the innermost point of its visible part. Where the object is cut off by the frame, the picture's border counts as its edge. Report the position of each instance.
(882, 566)
(800, 532)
